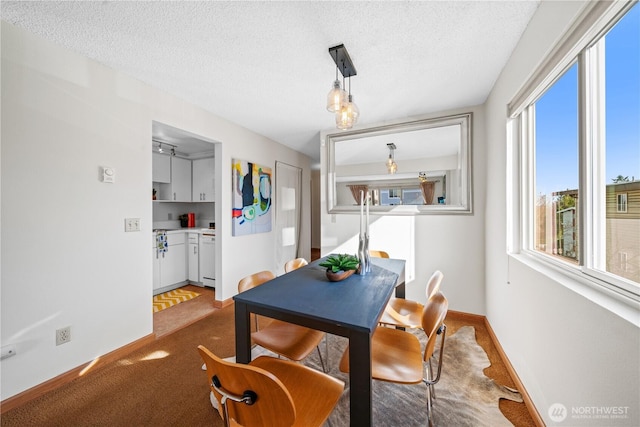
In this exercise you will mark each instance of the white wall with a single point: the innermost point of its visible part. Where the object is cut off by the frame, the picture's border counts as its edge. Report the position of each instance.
(426, 242)
(316, 207)
(565, 347)
(66, 260)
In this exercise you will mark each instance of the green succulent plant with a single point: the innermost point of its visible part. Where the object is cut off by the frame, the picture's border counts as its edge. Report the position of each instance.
(341, 262)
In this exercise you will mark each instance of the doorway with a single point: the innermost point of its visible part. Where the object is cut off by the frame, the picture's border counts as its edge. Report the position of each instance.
(184, 212)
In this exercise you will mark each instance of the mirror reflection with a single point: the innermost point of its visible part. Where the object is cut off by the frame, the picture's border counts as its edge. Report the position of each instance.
(408, 168)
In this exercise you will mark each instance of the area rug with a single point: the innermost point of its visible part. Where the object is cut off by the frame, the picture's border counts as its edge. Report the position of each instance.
(464, 395)
(171, 298)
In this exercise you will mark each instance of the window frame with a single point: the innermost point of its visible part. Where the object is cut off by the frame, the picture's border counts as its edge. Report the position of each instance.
(619, 196)
(582, 44)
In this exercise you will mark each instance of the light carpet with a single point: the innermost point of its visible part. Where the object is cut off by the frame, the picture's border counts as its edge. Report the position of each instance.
(464, 395)
(171, 298)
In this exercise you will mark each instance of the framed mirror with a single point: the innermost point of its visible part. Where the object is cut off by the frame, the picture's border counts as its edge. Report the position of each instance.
(412, 168)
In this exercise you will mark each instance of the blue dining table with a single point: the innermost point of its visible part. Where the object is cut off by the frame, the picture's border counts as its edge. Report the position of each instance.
(349, 308)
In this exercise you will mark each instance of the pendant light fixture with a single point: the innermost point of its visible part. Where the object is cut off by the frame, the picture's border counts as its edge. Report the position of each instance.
(338, 101)
(349, 112)
(337, 95)
(392, 166)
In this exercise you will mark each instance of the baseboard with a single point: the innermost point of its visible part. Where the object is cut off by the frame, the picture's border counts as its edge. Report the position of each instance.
(477, 318)
(40, 389)
(222, 304)
(468, 317)
(537, 419)
(47, 386)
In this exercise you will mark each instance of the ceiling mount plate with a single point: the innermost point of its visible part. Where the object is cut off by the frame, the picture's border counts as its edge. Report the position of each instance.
(341, 57)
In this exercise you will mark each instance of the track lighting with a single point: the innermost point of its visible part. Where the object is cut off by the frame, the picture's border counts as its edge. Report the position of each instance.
(163, 145)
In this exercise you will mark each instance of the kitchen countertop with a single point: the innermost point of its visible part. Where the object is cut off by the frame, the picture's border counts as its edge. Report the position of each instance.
(186, 230)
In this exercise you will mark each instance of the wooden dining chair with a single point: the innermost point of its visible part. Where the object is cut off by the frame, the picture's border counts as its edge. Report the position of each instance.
(270, 392)
(404, 313)
(396, 355)
(294, 264)
(378, 254)
(289, 340)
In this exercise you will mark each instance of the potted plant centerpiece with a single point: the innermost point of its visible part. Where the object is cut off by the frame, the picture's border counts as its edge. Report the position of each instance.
(341, 266)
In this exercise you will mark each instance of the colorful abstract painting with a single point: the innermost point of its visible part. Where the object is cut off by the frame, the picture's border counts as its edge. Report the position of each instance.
(251, 198)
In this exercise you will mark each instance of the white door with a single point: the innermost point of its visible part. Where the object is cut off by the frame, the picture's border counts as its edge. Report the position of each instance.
(288, 211)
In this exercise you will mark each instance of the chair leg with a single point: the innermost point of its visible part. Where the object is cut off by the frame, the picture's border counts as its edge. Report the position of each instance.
(321, 360)
(430, 381)
(429, 405)
(326, 350)
(431, 386)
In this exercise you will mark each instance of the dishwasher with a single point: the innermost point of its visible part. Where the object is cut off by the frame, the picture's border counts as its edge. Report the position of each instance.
(208, 258)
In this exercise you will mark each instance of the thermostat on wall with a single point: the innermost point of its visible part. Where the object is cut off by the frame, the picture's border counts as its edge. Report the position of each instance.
(108, 175)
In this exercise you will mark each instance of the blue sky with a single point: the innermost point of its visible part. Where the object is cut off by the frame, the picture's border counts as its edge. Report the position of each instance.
(557, 115)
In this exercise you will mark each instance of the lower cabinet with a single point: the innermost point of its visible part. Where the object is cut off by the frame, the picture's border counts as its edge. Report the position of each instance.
(170, 267)
(192, 257)
(156, 270)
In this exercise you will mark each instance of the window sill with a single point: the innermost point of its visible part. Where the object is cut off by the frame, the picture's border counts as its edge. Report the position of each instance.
(596, 291)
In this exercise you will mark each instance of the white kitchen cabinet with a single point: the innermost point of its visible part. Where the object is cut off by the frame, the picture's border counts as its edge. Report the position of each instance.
(203, 176)
(160, 168)
(174, 264)
(193, 257)
(156, 269)
(170, 268)
(179, 189)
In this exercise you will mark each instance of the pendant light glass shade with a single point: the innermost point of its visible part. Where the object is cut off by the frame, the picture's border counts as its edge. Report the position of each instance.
(348, 114)
(392, 166)
(336, 97)
(353, 110)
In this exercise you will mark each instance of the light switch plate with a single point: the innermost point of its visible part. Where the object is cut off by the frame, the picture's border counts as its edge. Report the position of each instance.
(131, 224)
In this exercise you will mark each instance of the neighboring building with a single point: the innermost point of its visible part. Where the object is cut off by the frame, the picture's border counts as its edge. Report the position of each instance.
(622, 229)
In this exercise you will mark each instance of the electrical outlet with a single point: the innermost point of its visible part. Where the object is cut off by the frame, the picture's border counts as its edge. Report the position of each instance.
(63, 335)
(131, 224)
(8, 351)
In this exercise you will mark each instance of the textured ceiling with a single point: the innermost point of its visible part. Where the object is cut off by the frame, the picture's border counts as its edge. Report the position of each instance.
(266, 66)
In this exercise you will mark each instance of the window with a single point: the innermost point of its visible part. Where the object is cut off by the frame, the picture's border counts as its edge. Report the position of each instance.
(580, 157)
(556, 168)
(622, 202)
(622, 261)
(390, 196)
(400, 196)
